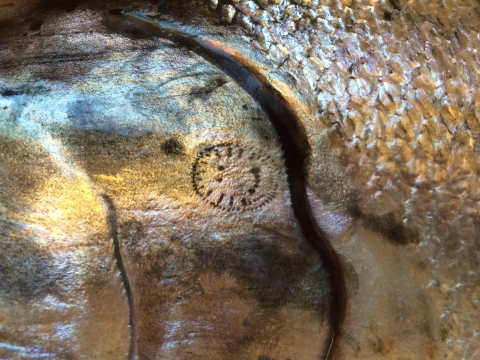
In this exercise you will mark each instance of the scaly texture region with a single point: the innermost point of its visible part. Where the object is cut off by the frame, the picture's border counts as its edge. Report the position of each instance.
(395, 84)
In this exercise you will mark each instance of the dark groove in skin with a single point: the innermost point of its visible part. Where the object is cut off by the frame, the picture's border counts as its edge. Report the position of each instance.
(112, 224)
(291, 132)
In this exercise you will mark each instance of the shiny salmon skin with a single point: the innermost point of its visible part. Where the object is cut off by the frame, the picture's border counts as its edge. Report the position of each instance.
(251, 180)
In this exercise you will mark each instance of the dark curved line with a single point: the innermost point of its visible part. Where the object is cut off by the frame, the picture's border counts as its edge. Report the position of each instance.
(112, 224)
(292, 134)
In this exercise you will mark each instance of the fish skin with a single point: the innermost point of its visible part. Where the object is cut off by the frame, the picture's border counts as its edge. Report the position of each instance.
(53, 250)
(390, 90)
(405, 142)
(183, 255)
(397, 95)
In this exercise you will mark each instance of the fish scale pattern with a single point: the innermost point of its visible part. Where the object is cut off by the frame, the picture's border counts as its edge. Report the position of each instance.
(400, 82)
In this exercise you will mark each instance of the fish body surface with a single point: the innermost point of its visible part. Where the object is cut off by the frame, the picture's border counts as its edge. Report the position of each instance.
(240, 180)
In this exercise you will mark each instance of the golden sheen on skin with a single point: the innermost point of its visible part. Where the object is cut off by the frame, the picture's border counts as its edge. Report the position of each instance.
(107, 135)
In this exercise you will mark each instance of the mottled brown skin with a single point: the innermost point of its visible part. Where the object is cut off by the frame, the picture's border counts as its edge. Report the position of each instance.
(387, 95)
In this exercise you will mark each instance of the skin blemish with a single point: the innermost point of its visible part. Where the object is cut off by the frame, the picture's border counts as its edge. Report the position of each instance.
(240, 184)
(12, 92)
(36, 25)
(172, 147)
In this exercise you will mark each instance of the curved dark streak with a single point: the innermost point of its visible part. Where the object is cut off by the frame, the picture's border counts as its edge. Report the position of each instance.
(291, 132)
(112, 224)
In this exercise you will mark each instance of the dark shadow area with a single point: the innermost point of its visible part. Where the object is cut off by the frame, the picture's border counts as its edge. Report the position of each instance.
(391, 229)
(26, 269)
(275, 277)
